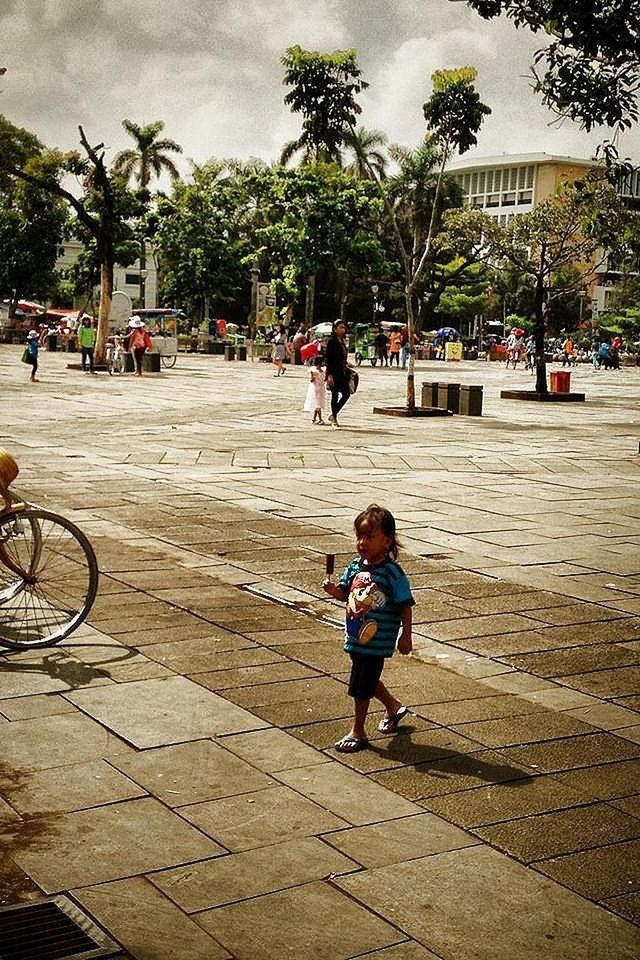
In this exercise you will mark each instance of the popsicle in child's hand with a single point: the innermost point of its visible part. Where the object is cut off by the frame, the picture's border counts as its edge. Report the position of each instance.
(330, 564)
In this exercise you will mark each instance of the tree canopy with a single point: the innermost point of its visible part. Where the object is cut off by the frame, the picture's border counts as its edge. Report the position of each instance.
(590, 69)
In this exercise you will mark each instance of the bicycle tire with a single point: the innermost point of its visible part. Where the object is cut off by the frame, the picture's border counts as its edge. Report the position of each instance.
(8, 587)
(59, 581)
(168, 361)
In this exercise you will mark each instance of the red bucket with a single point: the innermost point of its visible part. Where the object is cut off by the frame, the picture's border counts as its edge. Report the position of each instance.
(309, 351)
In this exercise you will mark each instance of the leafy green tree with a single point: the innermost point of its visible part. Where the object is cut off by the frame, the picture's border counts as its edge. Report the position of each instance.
(148, 158)
(367, 148)
(200, 240)
(320, 219)
(323, 87)
(102, 212)
(454, 114)
(559, 239)
(31, 229)
(590, 69)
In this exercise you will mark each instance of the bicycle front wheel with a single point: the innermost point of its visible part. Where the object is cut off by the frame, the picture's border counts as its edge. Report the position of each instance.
(48, 578)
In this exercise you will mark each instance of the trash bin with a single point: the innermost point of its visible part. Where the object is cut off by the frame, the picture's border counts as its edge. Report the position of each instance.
(241, 353)
(449, 396)
(229, 352)
(560, 381)
(52, 342)
(471, 400)
(151, 363)
(430, 394)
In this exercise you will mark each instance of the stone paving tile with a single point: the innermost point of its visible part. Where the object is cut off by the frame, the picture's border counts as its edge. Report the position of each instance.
(627, 906)
(478, 626)
(144, 712)
(240, 876)
(146, 923)
(40, 705)
(248, 676)
(409, 950)
(574, 613)
(191, 772)
(607, 716)
(43, 742)
(395, 841)
(504, 801)
(294, 701)
(451, 774)
(560, 663)
(118, 840)
(200, 654)
(603, 781)
(272, 750)
(559, 832)
(616, 682)
(477, 709)
(630, 805)
(71, 787)
(513, 603)
(523, 729)
(270, 927)
(262, 818)
(338, 789)
(573, 752)
(598, 874)
(442, 901)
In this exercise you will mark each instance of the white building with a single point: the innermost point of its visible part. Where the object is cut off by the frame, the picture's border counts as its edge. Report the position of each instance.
(126, 279)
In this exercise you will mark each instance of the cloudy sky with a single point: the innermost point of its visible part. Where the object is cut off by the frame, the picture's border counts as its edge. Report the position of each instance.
(210, 69)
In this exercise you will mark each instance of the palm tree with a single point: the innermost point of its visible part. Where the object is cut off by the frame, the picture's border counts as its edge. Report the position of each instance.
(147, 158)
(149, 155)
(366, 147)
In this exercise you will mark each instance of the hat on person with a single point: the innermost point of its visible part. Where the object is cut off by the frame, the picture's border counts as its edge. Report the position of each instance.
(136, 322)
(33, 335)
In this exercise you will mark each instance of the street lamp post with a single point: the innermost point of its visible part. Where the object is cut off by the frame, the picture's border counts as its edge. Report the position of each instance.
(143, 289)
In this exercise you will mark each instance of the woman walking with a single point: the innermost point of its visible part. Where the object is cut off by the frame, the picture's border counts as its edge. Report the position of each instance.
(280, 347)
(337, 369)
(31, 350)
(139, 343)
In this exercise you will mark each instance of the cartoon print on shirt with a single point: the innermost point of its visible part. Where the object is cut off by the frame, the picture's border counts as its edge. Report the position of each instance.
(364, 595)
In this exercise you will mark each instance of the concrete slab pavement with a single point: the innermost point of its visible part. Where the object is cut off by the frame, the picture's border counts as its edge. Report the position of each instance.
(173, 758)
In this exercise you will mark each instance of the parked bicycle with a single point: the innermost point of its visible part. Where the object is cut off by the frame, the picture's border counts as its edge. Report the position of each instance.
(115, 354)
(48, 570)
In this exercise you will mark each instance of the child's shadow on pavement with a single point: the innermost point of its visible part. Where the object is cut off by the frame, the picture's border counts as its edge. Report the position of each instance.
(440, 762)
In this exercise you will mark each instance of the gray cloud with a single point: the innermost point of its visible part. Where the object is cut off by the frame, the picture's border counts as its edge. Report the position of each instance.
(211, 70)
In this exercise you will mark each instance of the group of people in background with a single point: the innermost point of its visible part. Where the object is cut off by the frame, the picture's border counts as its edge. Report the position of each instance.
(137, 341)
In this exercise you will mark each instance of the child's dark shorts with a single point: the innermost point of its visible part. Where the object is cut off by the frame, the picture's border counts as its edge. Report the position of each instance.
(366, 671)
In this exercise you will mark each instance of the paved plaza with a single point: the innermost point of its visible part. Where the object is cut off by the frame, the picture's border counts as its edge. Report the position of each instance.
(170, 767)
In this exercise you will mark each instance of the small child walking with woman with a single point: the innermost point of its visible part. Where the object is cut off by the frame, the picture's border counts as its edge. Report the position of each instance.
(378, 606)
(316, 399)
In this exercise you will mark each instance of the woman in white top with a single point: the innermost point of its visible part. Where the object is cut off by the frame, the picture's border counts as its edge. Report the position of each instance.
(280, 345)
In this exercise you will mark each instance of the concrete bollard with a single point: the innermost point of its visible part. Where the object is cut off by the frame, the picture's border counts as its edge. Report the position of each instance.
(430, 394)
(471, 400)
(449, 396)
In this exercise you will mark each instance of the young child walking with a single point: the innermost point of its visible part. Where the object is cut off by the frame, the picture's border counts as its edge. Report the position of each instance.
(378, 605)
(316, 399)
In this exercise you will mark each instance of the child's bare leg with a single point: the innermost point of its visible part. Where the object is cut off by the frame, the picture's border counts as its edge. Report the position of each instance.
(360, 718)
(387, 699)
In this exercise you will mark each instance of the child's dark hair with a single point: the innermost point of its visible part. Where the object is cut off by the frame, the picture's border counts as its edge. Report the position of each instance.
(382, 518)
(318, 361)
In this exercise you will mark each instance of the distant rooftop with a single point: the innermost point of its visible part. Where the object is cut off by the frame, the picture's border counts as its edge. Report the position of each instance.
(515, 160)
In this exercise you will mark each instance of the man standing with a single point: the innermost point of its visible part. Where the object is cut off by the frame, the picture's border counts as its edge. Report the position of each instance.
(87, 341)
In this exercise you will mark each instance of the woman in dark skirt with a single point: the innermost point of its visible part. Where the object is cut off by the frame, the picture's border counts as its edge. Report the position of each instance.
(337, 369)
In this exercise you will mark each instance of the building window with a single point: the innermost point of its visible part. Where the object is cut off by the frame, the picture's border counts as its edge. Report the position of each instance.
(132, 279)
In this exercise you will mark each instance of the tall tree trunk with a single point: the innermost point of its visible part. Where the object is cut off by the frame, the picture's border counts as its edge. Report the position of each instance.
(411, 327)
(539, 334)
(106, 291)
(309, 305)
